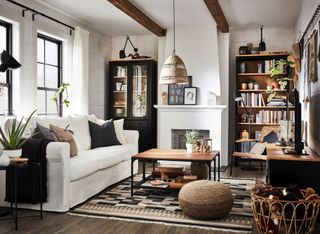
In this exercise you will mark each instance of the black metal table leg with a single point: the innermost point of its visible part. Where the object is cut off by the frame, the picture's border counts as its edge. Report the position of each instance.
(214, 169)
(209, 165)
(132, 161)
(218, 166)
(143, 170)
(16, 198)
(153, 169)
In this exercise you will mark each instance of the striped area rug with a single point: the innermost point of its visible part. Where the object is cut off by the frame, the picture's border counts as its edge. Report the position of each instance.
(163, 206)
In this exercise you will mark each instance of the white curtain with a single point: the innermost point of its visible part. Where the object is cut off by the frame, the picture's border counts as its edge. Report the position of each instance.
(79, 90)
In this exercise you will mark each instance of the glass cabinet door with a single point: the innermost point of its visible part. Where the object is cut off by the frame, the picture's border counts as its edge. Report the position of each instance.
(139, 90)
(120, 91)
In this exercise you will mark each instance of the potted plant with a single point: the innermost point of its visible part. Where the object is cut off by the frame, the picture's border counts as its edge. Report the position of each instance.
(191, 139)
(244, 86)
(256, 86)
(278, 73)
(250, 85)
(62, 89)
(13, 141)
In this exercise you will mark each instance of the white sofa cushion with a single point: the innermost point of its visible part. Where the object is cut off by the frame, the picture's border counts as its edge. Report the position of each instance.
(78, 124)
(90, 161)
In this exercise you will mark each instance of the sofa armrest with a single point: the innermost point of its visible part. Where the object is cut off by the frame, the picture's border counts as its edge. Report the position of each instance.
(58, 151)
(58, 175)
(131, 136)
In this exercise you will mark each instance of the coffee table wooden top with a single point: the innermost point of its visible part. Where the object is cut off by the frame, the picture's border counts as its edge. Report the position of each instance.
(175, 155)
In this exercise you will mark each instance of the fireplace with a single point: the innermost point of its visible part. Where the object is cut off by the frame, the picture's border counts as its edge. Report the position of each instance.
(178, 139)
(182, 117)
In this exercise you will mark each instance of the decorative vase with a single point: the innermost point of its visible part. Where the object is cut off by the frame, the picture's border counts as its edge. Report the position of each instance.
(4, 160)
(244, 86)
(275, 85)
(256, 87)
(250, 86)
(16, 153)
(190, 148)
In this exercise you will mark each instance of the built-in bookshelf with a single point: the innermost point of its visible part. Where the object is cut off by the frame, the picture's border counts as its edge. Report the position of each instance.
(254, 83)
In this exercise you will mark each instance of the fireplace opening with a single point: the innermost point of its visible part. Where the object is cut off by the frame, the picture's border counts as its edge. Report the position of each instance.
(178, 139)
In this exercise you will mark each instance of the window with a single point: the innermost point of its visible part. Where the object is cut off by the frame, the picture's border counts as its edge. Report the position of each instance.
(49, 75)
(6, 77)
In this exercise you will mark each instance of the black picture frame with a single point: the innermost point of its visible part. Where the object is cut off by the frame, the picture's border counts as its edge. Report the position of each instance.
(190, 96)
(176, 92)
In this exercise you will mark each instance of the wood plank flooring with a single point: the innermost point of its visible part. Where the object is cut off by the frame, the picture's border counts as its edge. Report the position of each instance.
(64, 223)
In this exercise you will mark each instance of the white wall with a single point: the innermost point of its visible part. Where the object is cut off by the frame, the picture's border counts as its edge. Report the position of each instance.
(223, 44)
(310, 110)
(198, 48)
(25, 50)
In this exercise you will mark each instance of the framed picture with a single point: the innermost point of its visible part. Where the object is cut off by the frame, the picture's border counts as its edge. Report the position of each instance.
(124, 87)
(175, 92)
(190, 96)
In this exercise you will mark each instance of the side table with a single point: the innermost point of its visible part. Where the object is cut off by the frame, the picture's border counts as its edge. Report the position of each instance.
(16, 163)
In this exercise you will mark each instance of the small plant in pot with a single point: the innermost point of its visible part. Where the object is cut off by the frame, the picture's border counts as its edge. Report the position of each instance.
(191, 139)
(278, 73)
(13, 141)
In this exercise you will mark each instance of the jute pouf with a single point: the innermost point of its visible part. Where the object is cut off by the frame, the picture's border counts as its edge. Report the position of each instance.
(205, 199)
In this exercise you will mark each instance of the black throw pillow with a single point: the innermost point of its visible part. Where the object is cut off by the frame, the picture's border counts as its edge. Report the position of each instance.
(44, 133)
(103, 135)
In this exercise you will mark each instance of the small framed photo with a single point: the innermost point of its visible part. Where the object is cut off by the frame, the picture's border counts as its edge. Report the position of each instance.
(124, 87)
(175, 92)
(190, 96)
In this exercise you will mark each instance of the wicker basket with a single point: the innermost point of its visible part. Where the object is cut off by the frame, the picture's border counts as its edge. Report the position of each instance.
(278, 216)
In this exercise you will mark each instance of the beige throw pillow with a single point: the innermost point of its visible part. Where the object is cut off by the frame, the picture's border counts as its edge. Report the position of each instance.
(64, 135)
(258, 148)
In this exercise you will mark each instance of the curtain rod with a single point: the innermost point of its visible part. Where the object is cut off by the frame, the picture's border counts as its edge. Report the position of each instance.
(311, 24)
(35, 12)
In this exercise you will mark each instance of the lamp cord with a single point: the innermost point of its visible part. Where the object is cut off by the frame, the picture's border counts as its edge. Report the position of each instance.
(174, 27)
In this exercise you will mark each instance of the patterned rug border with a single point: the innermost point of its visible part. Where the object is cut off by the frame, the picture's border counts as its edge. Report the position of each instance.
(233, 228)
(97, 216)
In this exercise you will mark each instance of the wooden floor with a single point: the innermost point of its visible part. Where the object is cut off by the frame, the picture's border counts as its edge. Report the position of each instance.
(64, 223)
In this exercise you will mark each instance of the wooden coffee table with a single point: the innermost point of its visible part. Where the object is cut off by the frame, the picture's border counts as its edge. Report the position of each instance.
(176, 155)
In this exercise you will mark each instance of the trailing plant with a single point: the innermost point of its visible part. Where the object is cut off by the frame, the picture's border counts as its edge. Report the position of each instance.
(192, 136)
(278, 73)
(62, 89)
(14, 140)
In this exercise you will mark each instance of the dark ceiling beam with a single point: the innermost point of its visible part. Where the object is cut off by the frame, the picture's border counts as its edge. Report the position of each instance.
(136, 14)
(216, 12)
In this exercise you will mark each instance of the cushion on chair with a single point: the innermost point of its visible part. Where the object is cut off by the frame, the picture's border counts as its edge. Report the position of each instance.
(258, 148)
(269, 134)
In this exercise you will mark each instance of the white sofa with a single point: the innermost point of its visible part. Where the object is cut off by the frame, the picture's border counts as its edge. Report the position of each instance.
(71, 181)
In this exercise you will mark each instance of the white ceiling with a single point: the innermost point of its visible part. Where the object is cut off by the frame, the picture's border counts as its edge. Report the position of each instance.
(270, 13)
(109, 20)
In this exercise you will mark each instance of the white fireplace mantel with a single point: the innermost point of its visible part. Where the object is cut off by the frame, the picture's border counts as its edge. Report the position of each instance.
(191, 117)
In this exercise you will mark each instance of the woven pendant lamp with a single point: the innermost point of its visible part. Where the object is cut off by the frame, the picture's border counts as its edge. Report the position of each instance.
(173, 70)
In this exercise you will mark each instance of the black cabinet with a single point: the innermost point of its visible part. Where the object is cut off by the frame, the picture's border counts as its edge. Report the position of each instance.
(132, 94)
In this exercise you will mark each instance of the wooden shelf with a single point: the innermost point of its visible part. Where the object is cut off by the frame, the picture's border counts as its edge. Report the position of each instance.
(119, 77)
(257, 74)
(119, 91)
(258, 90)
(119, 106)
(139, 76)
(259, 124)
(139, 91)
(246, 140)
(266, 107)
(262, 55)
